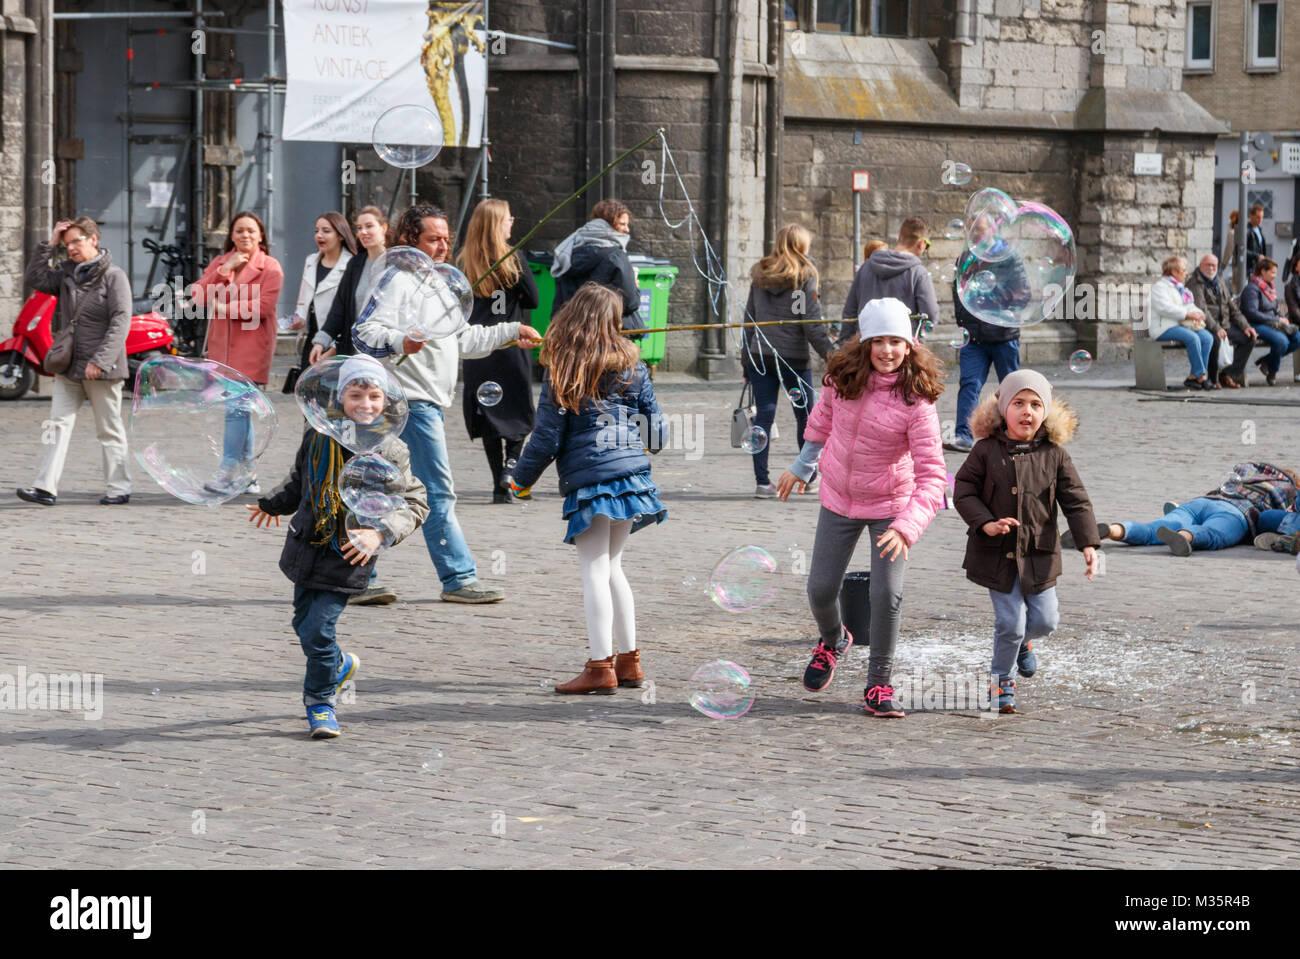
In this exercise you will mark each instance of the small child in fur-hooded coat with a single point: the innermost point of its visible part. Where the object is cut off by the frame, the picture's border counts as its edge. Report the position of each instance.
(1008, 491)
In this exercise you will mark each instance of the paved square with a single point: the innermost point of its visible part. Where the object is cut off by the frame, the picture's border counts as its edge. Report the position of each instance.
(1159, 732)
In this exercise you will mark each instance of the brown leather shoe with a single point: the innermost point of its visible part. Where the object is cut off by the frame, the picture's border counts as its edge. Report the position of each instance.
(596, 677)
(1227, 381)
(627, 667)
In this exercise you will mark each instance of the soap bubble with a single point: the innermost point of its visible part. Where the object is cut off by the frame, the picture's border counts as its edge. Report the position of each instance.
(721, 690)
(489, 394)
(955, 229)
(369, 427)
(798, 397)
(924, 330)
(690, 582)
(1232, 486)
(197, 427)
(958, 174)
(1080, 360)
(664, 280)
(413, 295)
(407, 136)
(433, 760)
(947, 273)
(371, 486)
(1014, 274)
(744, 579)
(988, 211)
(370, 535)
(960, 339)
(755, 440)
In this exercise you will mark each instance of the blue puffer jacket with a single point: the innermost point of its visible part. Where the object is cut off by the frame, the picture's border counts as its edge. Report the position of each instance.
(606, 440)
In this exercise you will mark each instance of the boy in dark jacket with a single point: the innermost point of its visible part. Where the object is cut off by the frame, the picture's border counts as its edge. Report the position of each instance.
(325, 561)
(1007, 491)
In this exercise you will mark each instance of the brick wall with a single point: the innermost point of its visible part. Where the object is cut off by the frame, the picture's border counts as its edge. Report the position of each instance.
(1249, 101)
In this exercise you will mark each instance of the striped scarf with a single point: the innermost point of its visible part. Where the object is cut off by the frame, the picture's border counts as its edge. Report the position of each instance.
(323, 467)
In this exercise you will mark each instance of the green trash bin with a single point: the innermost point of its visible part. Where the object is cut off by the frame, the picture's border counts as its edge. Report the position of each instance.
(655, 279)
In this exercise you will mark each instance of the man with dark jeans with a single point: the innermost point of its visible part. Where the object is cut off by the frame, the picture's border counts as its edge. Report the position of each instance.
(1224, 320)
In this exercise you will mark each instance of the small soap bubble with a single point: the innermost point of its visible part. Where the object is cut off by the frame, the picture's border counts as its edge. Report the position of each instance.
(433, 761)
(947, 272)
(489, 394)
(955, 229)
(984, 281)
(442, 542)
(663, 281)
(721, 690)
(1080, 360)
(755, 440)
(957, 174)
(744, 579)
(368, 535)
(154, 692)
(407, 136)
(1232, 486)
(960, 339)
(925, 330)
(511, 463)
(797, 398)
(689, 582)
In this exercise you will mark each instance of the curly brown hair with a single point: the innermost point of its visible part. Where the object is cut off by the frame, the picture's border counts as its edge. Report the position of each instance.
(848, 370)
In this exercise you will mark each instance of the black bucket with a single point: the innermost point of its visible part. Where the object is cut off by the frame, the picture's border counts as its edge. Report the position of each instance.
(855, 606)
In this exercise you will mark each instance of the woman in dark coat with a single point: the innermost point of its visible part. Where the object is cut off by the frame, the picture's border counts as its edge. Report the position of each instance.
(597, 252)
(502, 296)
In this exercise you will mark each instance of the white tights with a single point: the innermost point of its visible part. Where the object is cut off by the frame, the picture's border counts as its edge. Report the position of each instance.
(606, 595)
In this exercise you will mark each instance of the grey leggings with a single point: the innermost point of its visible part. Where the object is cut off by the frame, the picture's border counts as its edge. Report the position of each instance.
(837, 536)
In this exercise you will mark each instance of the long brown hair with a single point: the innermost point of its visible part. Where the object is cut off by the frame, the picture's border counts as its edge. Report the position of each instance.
(788, 264)
(583, 343)
(849, 369)
(340, 225)
(484, 246)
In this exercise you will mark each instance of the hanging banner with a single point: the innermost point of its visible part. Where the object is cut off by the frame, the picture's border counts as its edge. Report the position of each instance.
(351, 60)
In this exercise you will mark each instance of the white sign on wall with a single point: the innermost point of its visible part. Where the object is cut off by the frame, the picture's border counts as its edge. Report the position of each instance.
(1148, 164)
(350, 60)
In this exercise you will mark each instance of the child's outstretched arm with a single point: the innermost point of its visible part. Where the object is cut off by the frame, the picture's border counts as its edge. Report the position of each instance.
(284, 499)
(648, 406)
(544, 443)
(801, 470)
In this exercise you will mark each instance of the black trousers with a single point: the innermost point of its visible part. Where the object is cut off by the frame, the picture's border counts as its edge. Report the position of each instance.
(499, 451)
(1241, 347)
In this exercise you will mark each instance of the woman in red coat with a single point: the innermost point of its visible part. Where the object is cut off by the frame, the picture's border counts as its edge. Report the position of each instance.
(240, 289)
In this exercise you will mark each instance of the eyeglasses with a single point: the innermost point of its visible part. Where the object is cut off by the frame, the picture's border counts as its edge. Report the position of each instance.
(926, 241)
(75, 240)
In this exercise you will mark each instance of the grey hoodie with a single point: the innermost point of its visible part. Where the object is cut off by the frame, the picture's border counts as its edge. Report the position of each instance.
(889, 273)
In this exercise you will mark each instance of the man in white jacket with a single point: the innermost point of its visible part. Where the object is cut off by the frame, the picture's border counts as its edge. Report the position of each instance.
(428, 376)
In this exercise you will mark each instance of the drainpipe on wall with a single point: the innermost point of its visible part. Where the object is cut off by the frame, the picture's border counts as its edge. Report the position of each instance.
(774, 121)
(38, 146)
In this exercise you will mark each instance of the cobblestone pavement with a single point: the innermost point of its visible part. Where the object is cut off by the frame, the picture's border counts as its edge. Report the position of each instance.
(1161, 730)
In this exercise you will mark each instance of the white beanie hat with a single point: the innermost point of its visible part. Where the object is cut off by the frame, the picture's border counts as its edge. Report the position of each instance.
(360, 367)
(1023, 379)
(885, 317)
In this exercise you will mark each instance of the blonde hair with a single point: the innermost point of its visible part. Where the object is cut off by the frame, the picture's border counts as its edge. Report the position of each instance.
(484, 246)
(1171, 263)
(584, 342)
(788, 263)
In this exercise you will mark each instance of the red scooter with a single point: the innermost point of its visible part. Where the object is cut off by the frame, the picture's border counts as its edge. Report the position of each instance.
(22, 357)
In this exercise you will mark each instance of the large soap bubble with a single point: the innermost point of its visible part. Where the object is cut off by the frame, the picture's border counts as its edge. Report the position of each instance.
(988, 211)
(371, 486)
(1016, 269)
(369, 535)
(721, 690)
(407, 136)
(744, 579)
(361, 416)
(414, 295)
(197, 426)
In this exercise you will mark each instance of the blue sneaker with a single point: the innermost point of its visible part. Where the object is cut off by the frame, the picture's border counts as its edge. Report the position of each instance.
(1027, 662)
(348, 666)
(1004, 689)
(321, 719)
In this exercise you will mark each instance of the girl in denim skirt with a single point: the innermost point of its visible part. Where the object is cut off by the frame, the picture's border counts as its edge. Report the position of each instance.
(596, 419)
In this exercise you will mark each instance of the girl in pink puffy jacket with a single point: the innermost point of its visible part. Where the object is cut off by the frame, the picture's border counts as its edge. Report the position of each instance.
(882, 469)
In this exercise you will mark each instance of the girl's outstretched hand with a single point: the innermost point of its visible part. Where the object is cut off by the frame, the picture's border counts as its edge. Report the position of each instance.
(1000, 527)
(786, 483)
(259, 517)
(1092, 559)
(892, 544)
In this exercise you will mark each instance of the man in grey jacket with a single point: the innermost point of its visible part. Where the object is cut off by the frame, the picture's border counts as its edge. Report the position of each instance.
(898, 273)
(98, 294)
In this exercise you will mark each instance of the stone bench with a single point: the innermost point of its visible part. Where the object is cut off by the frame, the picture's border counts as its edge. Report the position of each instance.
(1149, 361)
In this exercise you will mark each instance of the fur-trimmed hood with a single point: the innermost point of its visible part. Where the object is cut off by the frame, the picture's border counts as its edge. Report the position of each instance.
(1061, 422)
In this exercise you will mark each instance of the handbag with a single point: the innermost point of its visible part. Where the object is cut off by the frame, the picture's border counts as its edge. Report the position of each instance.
(1225, 352)
(59, 356)
(742, 417)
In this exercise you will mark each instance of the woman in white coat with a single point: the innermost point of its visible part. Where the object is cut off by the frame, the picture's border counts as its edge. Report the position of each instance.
(1172, 315)
(321, 274)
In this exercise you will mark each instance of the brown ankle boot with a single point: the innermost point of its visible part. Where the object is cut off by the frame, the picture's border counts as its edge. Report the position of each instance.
(597, 677)
(627, 667)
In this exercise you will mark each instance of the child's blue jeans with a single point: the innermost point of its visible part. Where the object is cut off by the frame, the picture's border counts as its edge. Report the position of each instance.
(1016, 618)
(315, 614)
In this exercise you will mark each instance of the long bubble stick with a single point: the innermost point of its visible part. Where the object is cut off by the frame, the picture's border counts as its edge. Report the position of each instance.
(728, 326)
